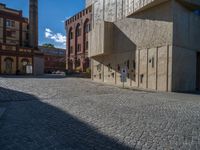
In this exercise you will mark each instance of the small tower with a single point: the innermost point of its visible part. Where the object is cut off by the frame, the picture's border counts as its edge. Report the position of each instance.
(33, 23)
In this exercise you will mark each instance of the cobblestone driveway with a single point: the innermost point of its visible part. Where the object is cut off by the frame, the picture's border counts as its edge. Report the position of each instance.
(77, 114)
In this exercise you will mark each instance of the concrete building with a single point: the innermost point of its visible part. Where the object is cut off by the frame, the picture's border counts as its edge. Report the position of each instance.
(54, 59)
(77, 28)
(157, 41)
(17, 54)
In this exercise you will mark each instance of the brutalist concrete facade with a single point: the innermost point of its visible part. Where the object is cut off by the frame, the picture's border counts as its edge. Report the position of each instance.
(158, 41)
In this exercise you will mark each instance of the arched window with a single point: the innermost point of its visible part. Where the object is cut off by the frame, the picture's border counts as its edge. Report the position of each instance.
(78, 63)
(8, 63)
(87, 26)
(70, 65)
(87, 63)
(70, 34)
(78, 30)
(86, 30)
(78, 33)
(24, 63)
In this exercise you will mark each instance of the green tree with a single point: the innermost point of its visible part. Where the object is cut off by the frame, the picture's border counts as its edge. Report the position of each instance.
(48, 45)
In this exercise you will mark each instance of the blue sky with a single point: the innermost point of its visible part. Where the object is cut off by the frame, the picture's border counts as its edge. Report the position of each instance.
(52, 14)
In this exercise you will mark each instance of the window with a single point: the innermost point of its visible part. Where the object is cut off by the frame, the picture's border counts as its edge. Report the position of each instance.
(86, 45)
(141, 78)
(118, 68)
(113, 75)
(11, 34)
(71, 35)
(10, 23)
(109, 68)
(134, 77)
(78, 33)
(71, 50)
(78, 47)
(152, 62)
(99, 67)
(78, 63)
(100, 76)
(128, 64)
(8, 65)
(134, 65)
(27, 36)
(87, 28)
(197, 12)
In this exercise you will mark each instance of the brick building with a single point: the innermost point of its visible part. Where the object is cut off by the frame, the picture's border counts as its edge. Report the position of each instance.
(54, 59)
(17, 53)
(77, 28)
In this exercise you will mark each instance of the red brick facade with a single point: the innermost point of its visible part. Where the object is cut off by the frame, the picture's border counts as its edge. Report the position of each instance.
(54, 59)
(77, 28)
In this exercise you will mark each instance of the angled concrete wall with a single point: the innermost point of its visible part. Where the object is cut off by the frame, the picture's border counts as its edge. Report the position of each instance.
(186, 41)
(143, 44)
(158, 43)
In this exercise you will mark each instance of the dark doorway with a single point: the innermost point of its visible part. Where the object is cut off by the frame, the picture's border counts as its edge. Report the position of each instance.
(198, 72)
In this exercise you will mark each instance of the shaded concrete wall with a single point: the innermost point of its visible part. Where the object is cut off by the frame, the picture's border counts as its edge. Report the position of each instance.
(186, 41)
(184, 69)
(186, 27)
(147, 69)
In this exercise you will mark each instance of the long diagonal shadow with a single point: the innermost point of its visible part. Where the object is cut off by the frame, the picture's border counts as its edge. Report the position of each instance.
(29, 123)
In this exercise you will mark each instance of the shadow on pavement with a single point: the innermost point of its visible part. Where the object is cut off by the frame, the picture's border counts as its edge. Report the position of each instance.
(29, 123)
(46, 76)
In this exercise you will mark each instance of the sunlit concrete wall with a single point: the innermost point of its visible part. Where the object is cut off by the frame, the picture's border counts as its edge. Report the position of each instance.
(158, 44)
(139, 46)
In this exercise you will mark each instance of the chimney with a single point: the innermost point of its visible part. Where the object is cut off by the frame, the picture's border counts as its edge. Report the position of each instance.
(33, 23)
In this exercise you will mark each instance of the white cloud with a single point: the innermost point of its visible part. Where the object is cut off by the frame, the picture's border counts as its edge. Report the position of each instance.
(66, 18)
(56, 37)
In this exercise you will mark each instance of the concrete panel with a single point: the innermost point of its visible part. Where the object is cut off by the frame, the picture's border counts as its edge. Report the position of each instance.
(143, 69)
(119, 9)
(98, 13)
(108, 68)
(135, 83)
(101, 41)
(152, 61)
(145, 33)
(97, 70)
(110, 10)
(184, 69)
(170, 64)
(162, 71)
(186, 28)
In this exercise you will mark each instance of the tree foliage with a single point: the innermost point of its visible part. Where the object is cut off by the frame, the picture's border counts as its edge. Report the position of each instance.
(48, 45)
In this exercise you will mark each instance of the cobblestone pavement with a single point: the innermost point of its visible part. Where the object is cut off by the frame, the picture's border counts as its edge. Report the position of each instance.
(75, 114)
